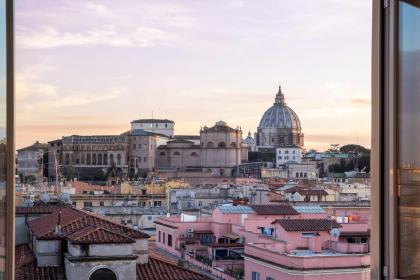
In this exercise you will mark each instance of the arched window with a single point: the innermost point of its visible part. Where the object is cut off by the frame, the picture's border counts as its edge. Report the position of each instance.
(100, 159)
(210, 145)
(176, 153)
(119, 159)
(233, 145)
(93, 159)
(111, 159)
(88, 159)
(221, 145)
(194, 154)
(105, 159)
(103, 274)
(301, 174)
(297, 174)
(162, 153)
(132, 162)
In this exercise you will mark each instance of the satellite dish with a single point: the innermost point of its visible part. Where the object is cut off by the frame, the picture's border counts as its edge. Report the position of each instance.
(65, 198)
(335, 232)
(45, 198)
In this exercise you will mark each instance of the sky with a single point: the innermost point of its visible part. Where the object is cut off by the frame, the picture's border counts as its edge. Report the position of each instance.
(91, 67)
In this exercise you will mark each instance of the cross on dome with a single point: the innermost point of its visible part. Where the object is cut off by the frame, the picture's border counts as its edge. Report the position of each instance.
(280, 98)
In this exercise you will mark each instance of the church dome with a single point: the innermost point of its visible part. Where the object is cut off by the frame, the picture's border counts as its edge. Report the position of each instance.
(280, 115)
(249, 140)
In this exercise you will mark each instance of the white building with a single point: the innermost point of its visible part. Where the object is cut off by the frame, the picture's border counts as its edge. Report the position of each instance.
(354, 192)
(160, 126)
(287, 154)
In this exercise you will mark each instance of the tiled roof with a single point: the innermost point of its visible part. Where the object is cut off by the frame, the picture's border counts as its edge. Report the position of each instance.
(46, 224)
(153, 121)
(73, 220)
(304, 191)
(33, 272)
(238, 209)
(40, 209)
(97, 235)
(283, 209)
(23, 255)
(158, 269)
(35, 147)
(188, 137)
(180, 140)
(307, 224)
(309, 209)
(142, 132)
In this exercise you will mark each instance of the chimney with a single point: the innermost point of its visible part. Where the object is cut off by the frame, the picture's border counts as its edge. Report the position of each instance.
(58, 231)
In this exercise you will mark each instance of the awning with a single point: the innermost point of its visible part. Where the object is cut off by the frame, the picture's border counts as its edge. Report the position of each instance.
(231, 236)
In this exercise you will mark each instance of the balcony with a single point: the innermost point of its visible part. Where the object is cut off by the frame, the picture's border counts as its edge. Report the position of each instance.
(349, 248)
(305, 259)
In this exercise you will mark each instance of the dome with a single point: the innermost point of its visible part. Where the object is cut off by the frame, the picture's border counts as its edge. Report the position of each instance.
(249, 140)
(280, 115)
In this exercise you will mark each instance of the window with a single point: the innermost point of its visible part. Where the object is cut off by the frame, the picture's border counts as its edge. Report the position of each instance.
(169, 240)
(177, 153)
(255, 275)
(119, 159)
(145, 159)
(408, 138)
(269, 278)
(210, 145)
(163, 238)
(157, 203)
(103, 274)
(134, 146)
(87, 204)
(101, 203)
(221, 145)
(200, 203)
(149, 218)
(159, 236)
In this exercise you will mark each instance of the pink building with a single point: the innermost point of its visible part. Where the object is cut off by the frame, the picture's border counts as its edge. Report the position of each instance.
(265, 242)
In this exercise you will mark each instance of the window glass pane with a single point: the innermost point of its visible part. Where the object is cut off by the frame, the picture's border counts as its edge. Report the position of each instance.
(409, 139)
(2, 137)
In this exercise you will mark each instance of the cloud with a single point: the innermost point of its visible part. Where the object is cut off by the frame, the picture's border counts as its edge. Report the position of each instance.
(81, 99)
(360, 101)
(51, 37)
(95, 7)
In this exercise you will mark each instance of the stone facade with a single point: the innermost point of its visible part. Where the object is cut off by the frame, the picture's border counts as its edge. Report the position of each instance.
(102, 152)
(30, 160)
(165, 127)
(219, 151)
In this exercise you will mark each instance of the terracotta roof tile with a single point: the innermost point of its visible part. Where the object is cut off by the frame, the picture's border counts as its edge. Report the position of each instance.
(97, 235)
(283, 209)
(40, 209)
(73, 220)
(307, 224)
(158, 269)
(33, 272)
(23, 255)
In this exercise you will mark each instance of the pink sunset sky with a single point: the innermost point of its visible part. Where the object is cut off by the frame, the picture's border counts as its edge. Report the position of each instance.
(90, 67)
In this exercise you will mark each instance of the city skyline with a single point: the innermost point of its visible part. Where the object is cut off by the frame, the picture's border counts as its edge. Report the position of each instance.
(194, 63)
